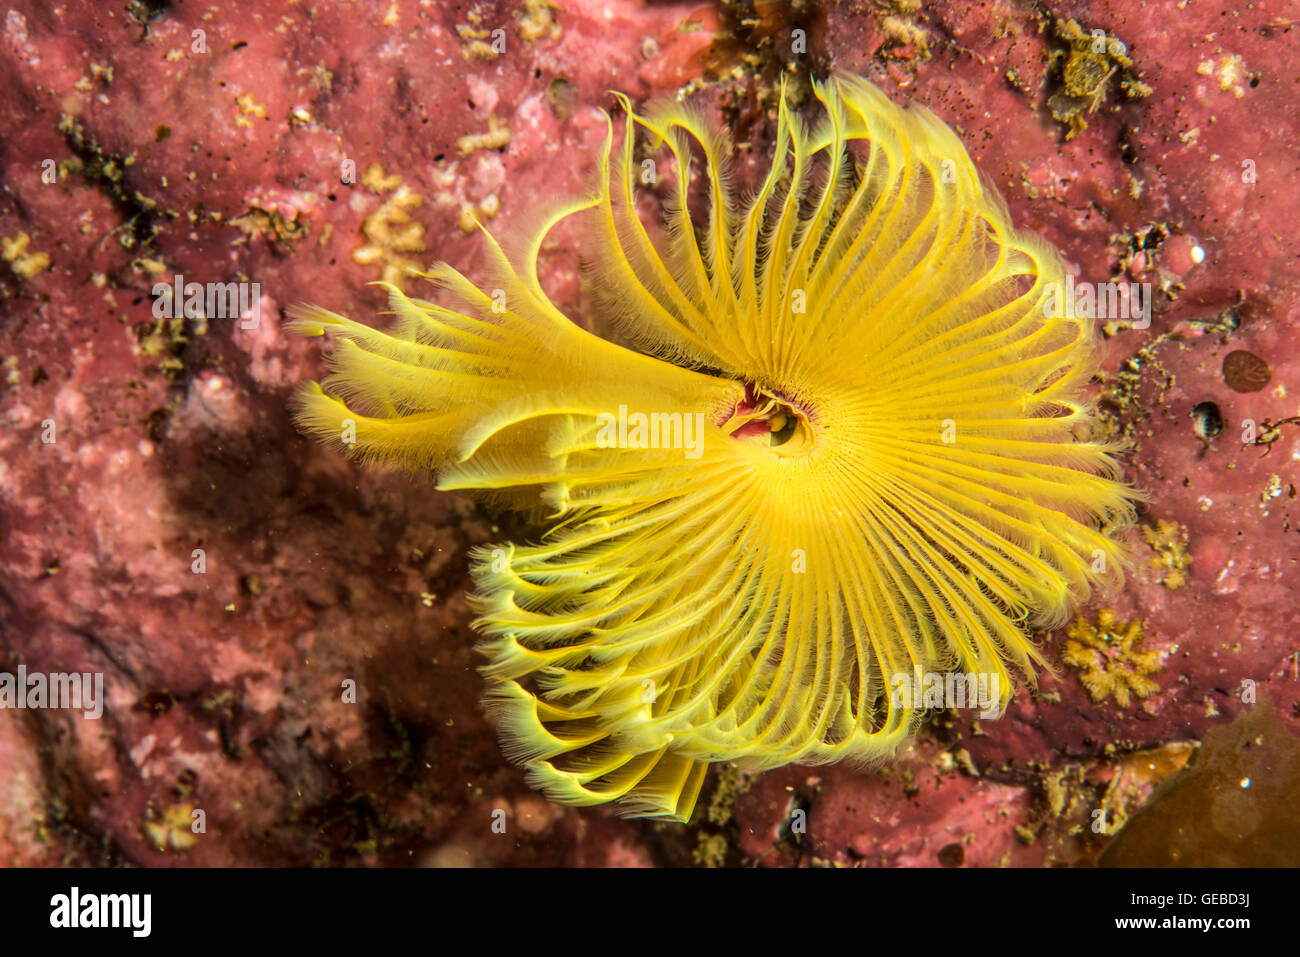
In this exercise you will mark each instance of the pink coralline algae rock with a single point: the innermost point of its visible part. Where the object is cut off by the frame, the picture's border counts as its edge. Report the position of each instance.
(286, 649)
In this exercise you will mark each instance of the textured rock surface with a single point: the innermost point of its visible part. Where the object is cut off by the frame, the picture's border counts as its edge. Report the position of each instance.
(173, 139)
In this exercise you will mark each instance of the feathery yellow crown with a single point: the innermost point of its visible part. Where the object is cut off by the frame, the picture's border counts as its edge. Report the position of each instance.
(857, 445)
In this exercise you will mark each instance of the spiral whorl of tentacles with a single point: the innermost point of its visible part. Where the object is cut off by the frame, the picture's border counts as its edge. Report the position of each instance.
(875, 451)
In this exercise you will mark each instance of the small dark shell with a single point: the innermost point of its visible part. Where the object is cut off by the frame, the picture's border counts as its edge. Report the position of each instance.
(1245, 372)
(952, 855)
(1207, 420)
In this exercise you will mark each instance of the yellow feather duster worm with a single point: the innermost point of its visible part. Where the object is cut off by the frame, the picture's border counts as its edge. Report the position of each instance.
(857, 445)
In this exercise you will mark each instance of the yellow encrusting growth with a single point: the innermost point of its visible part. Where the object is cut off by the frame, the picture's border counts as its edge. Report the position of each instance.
(892, 470)
(1110, 658)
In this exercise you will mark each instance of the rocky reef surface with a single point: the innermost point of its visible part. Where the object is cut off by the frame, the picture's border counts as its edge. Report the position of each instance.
(284, 637)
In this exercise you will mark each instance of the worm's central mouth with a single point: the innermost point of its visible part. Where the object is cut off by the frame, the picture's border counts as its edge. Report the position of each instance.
(763, 414)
